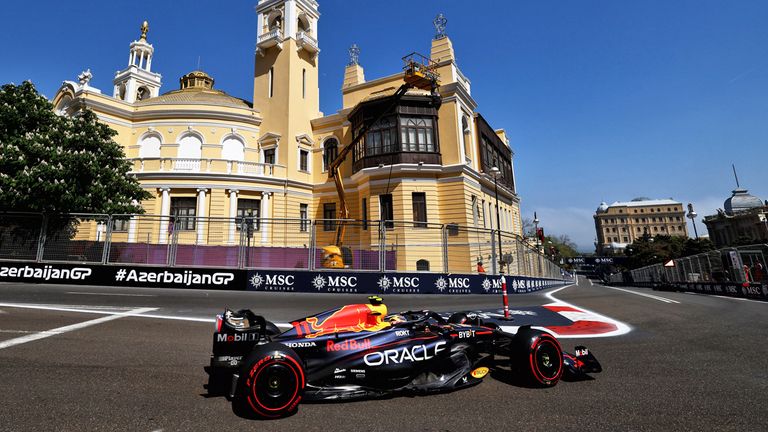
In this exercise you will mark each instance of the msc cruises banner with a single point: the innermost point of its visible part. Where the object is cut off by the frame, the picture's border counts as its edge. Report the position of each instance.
(344, 282)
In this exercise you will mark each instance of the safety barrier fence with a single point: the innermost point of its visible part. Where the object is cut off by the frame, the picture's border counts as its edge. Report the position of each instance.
(735, 271)
(275, 244)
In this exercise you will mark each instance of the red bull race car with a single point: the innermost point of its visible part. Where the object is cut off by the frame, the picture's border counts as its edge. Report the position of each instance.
(360, 351)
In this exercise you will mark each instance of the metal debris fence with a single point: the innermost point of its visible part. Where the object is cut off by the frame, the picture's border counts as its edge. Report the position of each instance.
(733, 264)
(250, 243)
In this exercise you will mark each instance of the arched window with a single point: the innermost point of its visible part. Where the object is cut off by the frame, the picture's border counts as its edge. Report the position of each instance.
(142, 93)
(465, 136)
(149, 146)
(330, 152)
(422, 265)
(190, 151)
(275, 20)
(233, 148)
(303, 23)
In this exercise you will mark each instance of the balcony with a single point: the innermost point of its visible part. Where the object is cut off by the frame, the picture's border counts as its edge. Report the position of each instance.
(174, 166)
(307, 42)
(270, 39)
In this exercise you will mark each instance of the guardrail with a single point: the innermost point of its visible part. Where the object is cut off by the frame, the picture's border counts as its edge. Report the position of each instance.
(260, 243)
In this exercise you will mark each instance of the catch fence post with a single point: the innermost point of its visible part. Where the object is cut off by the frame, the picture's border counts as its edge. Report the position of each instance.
(107, 241)
(41, 239)
(494, 258)
(444, 233)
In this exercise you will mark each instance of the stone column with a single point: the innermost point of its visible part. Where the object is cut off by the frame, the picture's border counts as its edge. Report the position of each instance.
(232, 214)
(200, 214)
(165, 210)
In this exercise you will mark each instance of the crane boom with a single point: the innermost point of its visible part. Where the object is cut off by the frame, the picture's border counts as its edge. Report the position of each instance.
(420, 73)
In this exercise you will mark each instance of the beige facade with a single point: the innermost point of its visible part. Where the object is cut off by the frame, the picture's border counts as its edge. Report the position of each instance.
(621, 223)
(201, 152)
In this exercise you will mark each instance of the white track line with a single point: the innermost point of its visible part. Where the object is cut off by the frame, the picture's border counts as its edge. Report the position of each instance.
(69, 328)
(650, 296)
(110, 294)
(101, 310)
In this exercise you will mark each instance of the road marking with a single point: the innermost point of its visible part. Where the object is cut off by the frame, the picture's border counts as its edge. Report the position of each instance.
(111, 294)
(103, 310)
(650, 296)
(726, 297)
(73, 327)
(621, 328)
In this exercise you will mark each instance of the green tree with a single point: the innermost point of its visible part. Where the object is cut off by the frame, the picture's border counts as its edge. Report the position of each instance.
(58, 164)
(662, 248)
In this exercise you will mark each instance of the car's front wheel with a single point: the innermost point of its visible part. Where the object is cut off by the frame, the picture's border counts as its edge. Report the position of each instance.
(537, 356)
(271, 383)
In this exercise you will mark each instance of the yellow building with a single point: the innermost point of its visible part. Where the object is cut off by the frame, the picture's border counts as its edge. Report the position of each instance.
(621, 223)
(204, 153)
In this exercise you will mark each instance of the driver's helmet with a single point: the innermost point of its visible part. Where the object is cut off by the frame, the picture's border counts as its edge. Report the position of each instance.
(395, 319)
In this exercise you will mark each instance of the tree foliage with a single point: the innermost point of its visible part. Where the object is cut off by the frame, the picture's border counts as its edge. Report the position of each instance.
(662, 248)
(59, 164)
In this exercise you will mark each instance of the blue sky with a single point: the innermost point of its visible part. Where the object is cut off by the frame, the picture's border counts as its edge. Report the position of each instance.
(603, 100)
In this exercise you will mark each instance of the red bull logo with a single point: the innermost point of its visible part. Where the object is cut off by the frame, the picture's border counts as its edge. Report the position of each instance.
(348, 345)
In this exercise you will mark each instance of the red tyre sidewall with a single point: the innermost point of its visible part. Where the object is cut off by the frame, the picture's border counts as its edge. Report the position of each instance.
(250, 392)
(545, 339)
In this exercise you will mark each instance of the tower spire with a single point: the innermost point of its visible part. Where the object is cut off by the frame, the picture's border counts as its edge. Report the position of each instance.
(736, 176)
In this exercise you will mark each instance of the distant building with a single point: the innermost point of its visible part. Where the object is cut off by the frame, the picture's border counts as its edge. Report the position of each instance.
(619, 224)
(742, 220)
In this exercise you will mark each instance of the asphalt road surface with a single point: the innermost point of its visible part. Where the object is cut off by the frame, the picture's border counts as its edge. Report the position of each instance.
(80, 358)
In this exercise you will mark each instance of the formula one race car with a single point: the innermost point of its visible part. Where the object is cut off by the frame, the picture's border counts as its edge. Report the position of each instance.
(359, 351)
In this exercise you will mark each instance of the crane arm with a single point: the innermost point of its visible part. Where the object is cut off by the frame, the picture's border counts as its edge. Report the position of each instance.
(334, 168)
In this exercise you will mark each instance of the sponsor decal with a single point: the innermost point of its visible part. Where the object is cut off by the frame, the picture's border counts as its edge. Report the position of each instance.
(187, 277)
(232, 360)
(414, 353)
(46, 273)
(339, 371)
(479, 372)
(384, 283)
(466, 334)
(464, 380)
(357, 371)
(339, 376)
(347, 345)
(273, 282)
(454, 285)
(581, 352)
(335, 283)
(441, 284)
(399, 284)
(402, 332)
(237, 337)
(300, 344)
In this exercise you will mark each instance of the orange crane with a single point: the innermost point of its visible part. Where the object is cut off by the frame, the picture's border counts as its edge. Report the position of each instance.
(418, 72)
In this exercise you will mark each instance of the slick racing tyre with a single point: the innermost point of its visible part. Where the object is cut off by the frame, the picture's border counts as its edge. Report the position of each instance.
(271, 382)
(537, 357)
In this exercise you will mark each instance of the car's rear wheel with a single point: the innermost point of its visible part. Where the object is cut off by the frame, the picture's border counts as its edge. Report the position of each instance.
(271, 383)
(537, 357)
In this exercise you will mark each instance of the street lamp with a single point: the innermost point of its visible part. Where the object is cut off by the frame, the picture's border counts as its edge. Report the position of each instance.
(536, 233)
(496, 173)
(692, 216)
